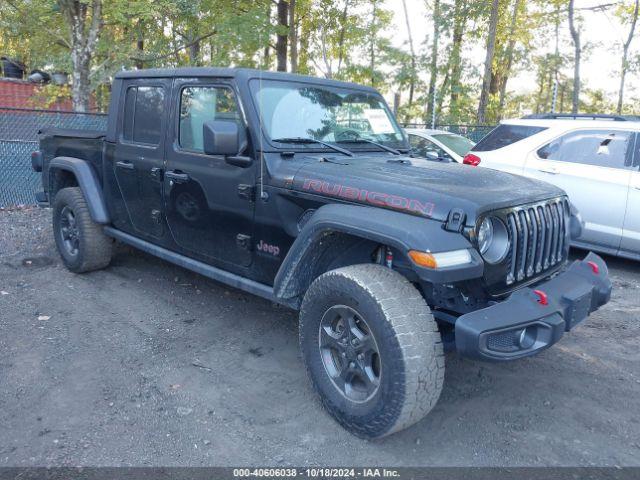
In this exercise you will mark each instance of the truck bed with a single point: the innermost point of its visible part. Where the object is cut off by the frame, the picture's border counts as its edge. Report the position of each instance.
(84, 144)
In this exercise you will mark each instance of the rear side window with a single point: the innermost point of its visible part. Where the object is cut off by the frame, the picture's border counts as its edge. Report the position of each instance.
(504, 135)
(602, 148)
(143, 110)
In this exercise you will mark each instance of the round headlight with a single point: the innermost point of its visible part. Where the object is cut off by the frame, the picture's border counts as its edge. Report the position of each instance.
(485, 235)
(493, 239)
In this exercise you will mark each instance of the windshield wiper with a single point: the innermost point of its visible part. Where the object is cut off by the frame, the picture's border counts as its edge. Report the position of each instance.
(303, 140)
(380, 145)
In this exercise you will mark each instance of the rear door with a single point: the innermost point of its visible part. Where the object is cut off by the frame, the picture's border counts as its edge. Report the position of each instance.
(139, 153)
(208, 203)
(594, 167)
(631, 232)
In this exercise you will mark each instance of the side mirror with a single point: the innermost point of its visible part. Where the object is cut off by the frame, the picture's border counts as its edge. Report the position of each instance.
(432, 155)
(224, 137)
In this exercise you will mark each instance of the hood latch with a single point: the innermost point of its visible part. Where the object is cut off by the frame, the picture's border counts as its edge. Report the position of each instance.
(455, 220)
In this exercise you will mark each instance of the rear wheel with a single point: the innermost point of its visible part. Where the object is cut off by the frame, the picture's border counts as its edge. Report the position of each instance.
(81, 242)
(372, 349)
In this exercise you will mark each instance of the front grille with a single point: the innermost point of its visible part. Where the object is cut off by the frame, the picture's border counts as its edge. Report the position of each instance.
(539, 238)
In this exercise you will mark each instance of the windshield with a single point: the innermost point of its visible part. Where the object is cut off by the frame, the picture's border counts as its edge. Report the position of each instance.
(330, 114)
(460, 145)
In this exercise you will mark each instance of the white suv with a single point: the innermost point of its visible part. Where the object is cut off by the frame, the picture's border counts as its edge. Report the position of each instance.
(594, 158)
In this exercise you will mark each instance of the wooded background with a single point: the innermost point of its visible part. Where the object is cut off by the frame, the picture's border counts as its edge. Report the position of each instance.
(428, 76)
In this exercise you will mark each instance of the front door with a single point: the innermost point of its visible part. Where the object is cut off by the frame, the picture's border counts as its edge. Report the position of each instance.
(208, 203)
(631, 232)
(593, 167)
(139, 154)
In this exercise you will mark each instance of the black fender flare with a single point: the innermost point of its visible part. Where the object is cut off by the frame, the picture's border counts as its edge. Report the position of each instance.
(89, 184)
(395, 229)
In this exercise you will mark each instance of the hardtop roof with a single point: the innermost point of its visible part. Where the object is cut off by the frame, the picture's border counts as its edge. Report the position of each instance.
(570, 124)
(241, 73)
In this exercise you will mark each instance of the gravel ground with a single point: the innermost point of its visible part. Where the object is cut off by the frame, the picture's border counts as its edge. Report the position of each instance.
(145, 363)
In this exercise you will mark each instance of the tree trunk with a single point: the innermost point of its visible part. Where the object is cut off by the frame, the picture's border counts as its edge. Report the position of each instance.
(412, 81)
(85, 29)
(575, 35)
(434, 60)
(443, 88)
(372, 42)
(625, 52)
(282, 35)
(510, 47)
(293, 36)
(488, 62)
(266, 55)
(460, 20)
(194, 50)
(343, 26)
(140, 45)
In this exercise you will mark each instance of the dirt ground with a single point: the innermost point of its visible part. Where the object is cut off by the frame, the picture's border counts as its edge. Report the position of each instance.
(145, 363)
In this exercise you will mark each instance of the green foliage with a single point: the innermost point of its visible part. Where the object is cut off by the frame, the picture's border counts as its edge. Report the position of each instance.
(342, 39)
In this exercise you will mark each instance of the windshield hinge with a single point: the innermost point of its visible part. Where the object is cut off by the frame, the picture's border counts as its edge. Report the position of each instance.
(455, 220)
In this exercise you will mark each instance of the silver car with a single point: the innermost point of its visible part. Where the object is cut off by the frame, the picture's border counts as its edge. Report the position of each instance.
(438, 144)
(594, 158)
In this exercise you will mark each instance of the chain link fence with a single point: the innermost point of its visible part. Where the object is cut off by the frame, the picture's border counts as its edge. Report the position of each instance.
(19, 137)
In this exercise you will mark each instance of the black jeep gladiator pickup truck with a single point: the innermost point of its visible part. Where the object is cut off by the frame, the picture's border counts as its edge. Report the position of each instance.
(302, 191)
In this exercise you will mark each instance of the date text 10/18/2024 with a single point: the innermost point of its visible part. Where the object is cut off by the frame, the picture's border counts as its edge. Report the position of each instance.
(317, 472)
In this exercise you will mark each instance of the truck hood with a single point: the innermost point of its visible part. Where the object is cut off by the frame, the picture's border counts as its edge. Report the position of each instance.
(420, 187)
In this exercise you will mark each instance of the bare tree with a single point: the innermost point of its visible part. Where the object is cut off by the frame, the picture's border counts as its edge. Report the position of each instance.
(293, 36)
(488, 62)
(343, 26)
(509, 53)
(412, 82)
(625, 52)
(575, 35)
(282, 35)
(85, 22)
(372, 42)
(434, 59)
(455, 60)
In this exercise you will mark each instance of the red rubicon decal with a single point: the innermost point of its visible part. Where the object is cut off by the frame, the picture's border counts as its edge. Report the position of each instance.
(380, 199)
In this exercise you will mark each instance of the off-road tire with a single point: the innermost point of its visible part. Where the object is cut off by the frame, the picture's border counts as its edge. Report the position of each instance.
(94, 249)
(410, 348)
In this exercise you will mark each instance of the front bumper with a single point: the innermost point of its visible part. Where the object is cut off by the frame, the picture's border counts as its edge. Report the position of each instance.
(535, 318)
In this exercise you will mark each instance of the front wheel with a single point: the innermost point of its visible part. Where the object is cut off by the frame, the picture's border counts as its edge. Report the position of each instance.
(372, 349)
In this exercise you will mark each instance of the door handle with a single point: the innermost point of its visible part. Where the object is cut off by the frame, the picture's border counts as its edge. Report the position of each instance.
(177, 176)
(156, 173)
(551, 170)
(125, 165)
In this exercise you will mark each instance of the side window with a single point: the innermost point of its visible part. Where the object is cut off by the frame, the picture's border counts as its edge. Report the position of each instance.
(602, 148)
(420, 146)
(143, 112)
(199, 105)
(504, 135)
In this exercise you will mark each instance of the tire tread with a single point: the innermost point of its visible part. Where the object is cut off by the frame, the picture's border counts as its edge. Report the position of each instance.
(96, 248)
(416, 332)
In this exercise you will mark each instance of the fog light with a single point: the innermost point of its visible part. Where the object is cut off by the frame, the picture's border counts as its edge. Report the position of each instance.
(527, 337)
